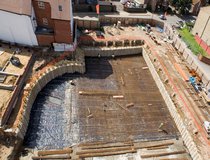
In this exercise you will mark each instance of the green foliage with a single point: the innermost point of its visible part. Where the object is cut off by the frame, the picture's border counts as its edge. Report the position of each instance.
(190, 24)
(149, 8)
(190, 41)
(102, 29)
(182, 5)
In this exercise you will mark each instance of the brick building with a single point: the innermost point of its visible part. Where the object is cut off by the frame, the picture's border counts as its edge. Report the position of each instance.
(54, 21)
(202, 25)
(37, 22)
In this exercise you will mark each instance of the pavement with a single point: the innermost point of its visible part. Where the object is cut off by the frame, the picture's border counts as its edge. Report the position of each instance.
(171, 18)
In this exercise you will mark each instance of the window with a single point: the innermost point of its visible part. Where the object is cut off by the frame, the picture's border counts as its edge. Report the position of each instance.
(41, 5)
(60, 8)
(45, 21)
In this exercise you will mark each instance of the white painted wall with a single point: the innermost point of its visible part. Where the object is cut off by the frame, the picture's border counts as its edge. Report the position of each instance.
(33, 19)
(60, 47)
(17, 29)
(71, 20)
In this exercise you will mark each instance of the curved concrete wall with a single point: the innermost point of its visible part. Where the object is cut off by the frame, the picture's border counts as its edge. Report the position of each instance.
(34, 88)
(187, 138)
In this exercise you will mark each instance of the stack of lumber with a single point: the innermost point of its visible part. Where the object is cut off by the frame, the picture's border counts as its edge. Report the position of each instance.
(54, 154)
(104, 149)
(162, 150)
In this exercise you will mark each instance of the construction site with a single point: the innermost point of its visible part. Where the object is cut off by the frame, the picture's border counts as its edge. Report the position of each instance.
(125, 93)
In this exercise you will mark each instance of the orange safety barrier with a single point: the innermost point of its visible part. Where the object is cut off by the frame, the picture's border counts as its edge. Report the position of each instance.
(181, 72)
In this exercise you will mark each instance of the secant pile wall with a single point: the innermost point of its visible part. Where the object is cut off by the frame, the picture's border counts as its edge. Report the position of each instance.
(89, 42)
(33, 89)
(96, 22)
(106, 52)
(188, 140)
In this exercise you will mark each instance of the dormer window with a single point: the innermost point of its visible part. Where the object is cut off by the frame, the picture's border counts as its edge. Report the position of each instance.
(45, 21)
(41, 5)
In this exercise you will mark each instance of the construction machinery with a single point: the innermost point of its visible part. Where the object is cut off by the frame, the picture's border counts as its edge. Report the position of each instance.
(194, 84)
(194, 74)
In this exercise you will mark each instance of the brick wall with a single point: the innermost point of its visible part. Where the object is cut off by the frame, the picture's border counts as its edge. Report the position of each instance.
(45, 40)
(61, 28)
(43, 13)
(62, 31)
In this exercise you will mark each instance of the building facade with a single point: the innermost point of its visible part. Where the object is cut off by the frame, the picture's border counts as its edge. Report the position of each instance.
(37, 22)
(202, 25)
(54, 21)
(16, 17)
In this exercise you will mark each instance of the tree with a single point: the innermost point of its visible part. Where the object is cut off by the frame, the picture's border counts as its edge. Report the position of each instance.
(183, 6)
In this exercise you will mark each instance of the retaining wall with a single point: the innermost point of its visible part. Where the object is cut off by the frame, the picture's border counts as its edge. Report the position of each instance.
(33, 89)
(108, 52)
(187, 138)
(96, 22)
(89, 42)
(204, 59)
(111, 19)
(88, 24)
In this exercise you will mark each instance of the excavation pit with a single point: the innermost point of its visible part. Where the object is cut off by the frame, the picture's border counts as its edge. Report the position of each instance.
(96, 106)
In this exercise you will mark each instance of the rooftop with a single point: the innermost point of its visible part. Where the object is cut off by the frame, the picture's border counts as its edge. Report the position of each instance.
(55, 13)
(16, 6)
(24, 7)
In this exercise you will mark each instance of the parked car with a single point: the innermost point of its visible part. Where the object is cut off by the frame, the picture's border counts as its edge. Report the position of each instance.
(180, 23)
(163, 17)
(123, 2)
(100, 34)
(15, 61)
